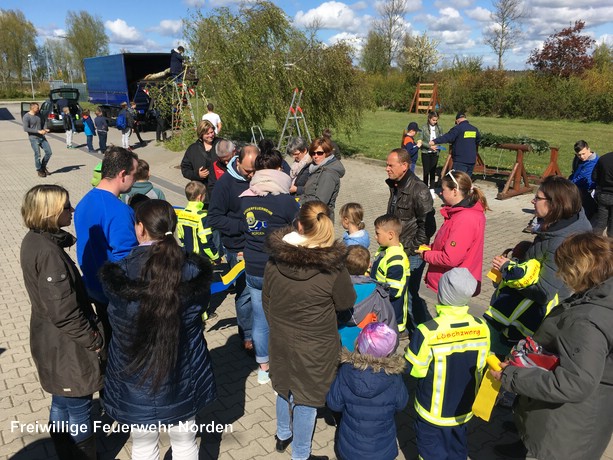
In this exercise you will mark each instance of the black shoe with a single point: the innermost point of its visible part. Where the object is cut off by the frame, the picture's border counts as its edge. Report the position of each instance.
(513, 450)
(281, 444)
(86, 450)
(41, 173)
(318, 457)
(46, 171)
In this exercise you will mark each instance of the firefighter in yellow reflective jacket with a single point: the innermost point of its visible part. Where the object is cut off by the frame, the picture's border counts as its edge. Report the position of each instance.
(447, 354)
(192, 228)
(391, 266)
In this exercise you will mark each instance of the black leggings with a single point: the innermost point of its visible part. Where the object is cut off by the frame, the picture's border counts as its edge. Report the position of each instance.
(429, 162)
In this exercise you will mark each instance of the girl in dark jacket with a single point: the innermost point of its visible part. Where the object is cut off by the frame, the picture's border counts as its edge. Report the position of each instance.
(305, 283)
(159, 369)
(369, 390)
(65, 342)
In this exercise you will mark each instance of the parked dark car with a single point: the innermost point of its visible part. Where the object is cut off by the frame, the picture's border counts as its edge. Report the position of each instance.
(51, 109)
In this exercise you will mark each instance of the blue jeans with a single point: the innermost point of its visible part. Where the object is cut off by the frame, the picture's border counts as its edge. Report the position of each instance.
(260, 325)
(242, 300)
(418, 311)
(76, 415)
(102, 141)
(464, 167)
(90, 143)
(298, 421)
(38, 143)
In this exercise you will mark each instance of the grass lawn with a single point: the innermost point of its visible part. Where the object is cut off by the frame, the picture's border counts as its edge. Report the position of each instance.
(382, 132)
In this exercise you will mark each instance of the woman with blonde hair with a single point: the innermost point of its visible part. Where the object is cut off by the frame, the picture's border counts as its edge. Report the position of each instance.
(459, 241)
(565, 412)
(305, 284)
(66, 342)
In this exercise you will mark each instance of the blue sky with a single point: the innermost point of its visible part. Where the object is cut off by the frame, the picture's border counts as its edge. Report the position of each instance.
(156, 25)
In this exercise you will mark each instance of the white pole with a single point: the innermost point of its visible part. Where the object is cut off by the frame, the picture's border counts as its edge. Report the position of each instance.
(31, 81)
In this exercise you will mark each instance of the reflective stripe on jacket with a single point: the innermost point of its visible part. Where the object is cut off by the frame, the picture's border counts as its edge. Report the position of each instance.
(447, 355)
(391, 266)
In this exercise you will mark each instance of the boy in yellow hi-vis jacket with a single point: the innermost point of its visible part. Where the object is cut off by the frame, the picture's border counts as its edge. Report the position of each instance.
(391, 266)
(447, 354)
(192, 227)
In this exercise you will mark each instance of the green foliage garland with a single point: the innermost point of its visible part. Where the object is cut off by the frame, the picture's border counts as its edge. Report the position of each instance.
(494, 140)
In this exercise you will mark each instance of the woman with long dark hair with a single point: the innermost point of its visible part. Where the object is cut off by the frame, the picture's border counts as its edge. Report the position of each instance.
(429, 154)
(305, 284)
(159, 369)
(566, 412)
(529, 287)
(65, 341)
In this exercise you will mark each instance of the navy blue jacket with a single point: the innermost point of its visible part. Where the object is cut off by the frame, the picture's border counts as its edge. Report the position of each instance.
(464, 139)
(263, 214)
(192, 385)
(368, 391)
(176, 62)
(225, 208)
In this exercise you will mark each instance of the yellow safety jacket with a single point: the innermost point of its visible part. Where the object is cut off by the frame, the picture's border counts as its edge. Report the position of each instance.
(514, 314)
(447, 354)
(391, 266)
(193, 231)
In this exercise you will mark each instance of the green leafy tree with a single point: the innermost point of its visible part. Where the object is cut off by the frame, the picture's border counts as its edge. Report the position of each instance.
(419, 55)
(251, 61)
(86, 37)
(390, 25)
(373, 58)
(603, 57)
(564, 53)
(59, 56)
(17, 40)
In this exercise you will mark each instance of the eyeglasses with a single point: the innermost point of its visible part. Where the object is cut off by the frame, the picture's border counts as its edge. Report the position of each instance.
(453, 178)
(540, 198)
(318, 153)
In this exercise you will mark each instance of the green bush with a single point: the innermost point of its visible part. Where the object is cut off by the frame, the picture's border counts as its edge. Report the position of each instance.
(392, 91)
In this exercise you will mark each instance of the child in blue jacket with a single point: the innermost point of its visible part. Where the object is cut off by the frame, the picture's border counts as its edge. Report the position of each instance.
(369, 390)
(89, 129)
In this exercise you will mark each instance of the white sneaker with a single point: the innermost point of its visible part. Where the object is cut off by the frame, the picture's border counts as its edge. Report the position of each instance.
(263, 377)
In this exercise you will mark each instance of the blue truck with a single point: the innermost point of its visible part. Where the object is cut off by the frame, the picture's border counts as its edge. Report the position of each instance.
(119, 78)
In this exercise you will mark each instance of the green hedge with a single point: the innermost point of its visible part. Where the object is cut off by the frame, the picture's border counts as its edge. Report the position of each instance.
(507, 94)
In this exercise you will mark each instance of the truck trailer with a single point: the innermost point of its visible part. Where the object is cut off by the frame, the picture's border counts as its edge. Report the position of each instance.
(119, 78)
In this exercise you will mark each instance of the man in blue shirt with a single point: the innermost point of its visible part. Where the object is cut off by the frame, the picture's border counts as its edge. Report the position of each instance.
(104, 224)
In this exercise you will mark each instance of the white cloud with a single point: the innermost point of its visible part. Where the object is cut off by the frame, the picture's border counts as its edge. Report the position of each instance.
(122, 33)
(194, 3)
(359, 6)
(168, 27)
(456, 3)
(479, 14)
(330, 15)
(59, 33)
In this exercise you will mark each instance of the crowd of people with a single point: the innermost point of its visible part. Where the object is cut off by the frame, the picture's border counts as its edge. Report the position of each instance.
(322, 319)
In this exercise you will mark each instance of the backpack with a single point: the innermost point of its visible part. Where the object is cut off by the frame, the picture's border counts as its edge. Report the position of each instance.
(120, 123)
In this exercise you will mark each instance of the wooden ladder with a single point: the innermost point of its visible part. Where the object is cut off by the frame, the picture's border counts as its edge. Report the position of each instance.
(425, 98)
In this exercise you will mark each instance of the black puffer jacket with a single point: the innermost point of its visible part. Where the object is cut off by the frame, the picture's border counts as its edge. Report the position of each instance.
(566, 413)
(192, 384)
(411, 201)
(64, 335)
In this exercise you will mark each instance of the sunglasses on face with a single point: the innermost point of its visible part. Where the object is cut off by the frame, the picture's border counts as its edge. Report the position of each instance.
(318, 153)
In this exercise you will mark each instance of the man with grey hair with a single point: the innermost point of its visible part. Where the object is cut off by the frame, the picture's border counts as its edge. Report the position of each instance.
(298, 149)
(225, 215)
(224, 151)
(34, 126)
